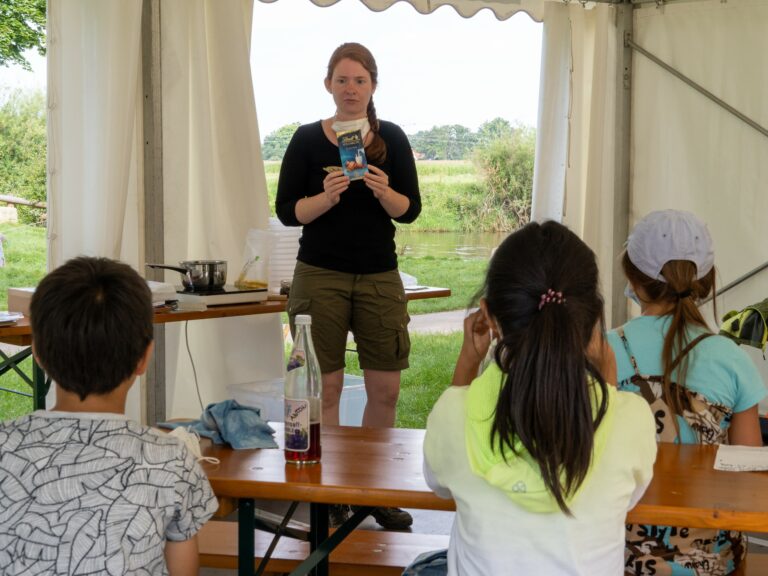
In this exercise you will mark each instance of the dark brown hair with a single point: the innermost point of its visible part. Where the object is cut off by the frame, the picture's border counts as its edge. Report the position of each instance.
(681, 291)
(91, 322)
(376, 151)
(546, 400)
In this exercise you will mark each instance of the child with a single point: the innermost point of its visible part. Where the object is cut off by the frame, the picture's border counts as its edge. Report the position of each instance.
(83, 490)
(534, 450)
(702, 388)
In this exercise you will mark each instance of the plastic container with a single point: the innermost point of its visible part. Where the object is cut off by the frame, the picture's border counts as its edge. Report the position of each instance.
(267, 395)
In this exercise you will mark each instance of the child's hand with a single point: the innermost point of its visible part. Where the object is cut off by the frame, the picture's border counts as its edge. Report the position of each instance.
(601, 355)
(477, 340)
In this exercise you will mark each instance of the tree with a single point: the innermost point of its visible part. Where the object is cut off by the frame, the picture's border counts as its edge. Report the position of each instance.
(22, 151)
(276, 142)
(22, 27)
(506, 164)
(447, 142)
(495, 129)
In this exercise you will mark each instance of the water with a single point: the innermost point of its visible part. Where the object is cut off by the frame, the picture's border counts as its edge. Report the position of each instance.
(465, 245)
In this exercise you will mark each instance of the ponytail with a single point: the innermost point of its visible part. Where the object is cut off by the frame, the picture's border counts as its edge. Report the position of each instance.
(681, 291)
(546, 403)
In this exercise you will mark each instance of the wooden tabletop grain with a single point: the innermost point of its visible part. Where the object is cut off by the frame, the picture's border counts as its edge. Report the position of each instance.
(383, 467)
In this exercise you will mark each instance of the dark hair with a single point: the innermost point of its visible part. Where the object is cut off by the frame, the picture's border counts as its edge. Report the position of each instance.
(376, 151)
(546, 401)
(681, 291)
(91, 324)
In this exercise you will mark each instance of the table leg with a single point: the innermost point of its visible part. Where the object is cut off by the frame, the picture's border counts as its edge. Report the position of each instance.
(40, 386)
(245, 527)
(321, 545)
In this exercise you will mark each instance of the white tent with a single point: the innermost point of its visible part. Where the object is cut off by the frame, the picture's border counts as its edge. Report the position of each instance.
(154, 146)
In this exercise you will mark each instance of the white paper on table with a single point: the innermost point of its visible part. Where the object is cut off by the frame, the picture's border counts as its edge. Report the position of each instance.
(741, 458)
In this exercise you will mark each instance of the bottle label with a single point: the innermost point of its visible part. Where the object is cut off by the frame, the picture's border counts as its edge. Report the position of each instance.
(296, 424)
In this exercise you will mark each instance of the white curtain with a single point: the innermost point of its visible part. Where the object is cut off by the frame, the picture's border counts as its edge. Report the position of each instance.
(94, 135)
(688, 153)
(94, 61)
(214, 191)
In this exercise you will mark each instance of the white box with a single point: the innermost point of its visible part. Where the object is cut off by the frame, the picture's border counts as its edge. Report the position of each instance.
(267, 395)
(19, 299)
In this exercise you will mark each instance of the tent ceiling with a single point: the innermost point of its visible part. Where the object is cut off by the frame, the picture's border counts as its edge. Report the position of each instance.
(502, 9)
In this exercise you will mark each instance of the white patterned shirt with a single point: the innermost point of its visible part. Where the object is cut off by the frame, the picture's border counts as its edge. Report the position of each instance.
(85, 493)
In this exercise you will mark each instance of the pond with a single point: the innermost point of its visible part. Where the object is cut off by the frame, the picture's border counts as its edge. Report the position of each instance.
(465, 245)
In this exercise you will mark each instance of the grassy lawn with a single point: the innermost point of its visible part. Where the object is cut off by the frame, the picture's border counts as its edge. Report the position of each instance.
(433, 357)
(25, 254)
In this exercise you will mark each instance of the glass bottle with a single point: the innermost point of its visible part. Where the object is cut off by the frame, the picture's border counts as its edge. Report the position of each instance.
(303, 398)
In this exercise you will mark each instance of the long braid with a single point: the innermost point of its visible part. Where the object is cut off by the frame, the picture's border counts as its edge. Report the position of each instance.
(376, 151)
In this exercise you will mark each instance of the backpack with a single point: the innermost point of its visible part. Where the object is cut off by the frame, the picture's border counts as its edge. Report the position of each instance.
(704, 417)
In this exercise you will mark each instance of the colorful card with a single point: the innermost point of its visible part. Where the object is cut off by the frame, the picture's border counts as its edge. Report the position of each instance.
(352, 153)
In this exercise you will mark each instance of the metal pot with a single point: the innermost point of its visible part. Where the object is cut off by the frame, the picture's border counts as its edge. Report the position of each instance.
(199, 275)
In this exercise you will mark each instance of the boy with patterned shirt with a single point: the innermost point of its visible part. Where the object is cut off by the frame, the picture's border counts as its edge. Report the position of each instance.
(83, 490)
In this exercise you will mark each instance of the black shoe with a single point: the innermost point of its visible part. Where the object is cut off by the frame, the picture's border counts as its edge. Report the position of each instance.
(338, 514)
(392, 518)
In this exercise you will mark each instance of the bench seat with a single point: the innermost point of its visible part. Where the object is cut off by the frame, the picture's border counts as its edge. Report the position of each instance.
(369, 552)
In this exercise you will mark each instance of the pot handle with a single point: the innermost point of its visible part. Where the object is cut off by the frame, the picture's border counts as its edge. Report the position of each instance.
(184, 271)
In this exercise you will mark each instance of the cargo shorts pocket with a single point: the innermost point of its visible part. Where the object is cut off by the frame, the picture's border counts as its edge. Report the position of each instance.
(297, 306)
(402, 339)
(394, 315)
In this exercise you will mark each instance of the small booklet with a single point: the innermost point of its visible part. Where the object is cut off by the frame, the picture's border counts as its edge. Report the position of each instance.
(352, 153)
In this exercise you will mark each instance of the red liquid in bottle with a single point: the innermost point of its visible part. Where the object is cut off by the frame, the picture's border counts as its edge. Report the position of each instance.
(312, 455)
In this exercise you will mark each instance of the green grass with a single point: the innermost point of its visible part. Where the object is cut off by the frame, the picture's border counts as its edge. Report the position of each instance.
(14, 405)
(463, 277)
(25, 255)
(432, 359)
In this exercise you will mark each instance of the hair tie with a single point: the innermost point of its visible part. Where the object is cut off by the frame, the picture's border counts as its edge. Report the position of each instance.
(684, 294)
(551, 296)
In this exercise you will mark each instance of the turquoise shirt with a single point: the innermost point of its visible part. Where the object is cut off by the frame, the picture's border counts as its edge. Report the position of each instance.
(717, 368)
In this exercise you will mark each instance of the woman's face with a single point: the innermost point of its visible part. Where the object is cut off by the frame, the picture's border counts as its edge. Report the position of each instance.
(351, 88)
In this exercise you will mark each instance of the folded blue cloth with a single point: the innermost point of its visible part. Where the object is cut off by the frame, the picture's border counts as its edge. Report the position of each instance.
(232, 423)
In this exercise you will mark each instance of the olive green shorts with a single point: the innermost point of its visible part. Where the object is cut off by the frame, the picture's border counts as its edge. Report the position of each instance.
(372, 306)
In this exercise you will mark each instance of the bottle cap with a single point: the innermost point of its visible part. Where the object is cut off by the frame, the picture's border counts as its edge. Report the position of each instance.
(303, 319)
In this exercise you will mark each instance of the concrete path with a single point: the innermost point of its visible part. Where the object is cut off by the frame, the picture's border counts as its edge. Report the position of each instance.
(438, 322)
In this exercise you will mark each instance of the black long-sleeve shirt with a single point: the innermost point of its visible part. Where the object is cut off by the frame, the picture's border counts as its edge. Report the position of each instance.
(356, 235)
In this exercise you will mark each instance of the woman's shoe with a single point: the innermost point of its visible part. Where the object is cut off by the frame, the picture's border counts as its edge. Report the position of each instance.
(338, 514)
(392, 518)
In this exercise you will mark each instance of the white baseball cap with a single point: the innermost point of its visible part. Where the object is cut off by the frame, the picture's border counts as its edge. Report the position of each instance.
(667, 235)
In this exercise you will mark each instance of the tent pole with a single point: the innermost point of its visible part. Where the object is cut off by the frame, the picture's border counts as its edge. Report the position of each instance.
(621, 184)
(153, 409)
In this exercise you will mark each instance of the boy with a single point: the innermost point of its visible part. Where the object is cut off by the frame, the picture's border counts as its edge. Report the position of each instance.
(83, 490)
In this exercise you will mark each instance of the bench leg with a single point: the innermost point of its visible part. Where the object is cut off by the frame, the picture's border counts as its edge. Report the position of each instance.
(320, 543)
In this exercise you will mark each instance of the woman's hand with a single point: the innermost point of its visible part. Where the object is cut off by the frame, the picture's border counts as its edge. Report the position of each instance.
(333, 185)
(378, 181)
(601, 355)
(477, 340)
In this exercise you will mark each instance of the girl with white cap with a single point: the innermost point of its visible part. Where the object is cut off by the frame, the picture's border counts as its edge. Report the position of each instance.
(702, 388)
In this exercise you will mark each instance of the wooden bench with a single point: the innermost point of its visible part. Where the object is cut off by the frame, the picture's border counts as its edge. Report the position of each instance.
(369, 552)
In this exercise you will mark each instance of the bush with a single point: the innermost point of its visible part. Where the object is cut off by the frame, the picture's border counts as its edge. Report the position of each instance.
(503, 202)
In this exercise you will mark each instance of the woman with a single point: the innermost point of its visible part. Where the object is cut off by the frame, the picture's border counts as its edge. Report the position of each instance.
(346, 275)
(702, 388)
(533, 450)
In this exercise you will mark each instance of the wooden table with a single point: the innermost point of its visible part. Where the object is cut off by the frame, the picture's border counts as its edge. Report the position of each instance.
(20, 334)
(386, 470)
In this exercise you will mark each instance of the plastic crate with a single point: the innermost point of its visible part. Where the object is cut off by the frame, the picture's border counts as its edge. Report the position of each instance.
(267, 395)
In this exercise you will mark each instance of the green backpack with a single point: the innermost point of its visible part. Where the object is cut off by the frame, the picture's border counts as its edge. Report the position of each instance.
(748, 326)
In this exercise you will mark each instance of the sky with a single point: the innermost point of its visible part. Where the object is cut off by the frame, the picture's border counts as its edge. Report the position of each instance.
(434, 69)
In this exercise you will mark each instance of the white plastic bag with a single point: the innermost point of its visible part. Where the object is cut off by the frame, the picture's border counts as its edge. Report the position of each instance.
(254, 274)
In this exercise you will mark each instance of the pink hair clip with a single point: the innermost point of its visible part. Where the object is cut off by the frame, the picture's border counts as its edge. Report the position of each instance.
(551, 296)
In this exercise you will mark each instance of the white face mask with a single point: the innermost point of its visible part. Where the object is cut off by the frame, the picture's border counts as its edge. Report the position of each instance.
(349, 125)
(192, 440)
(629, 293)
